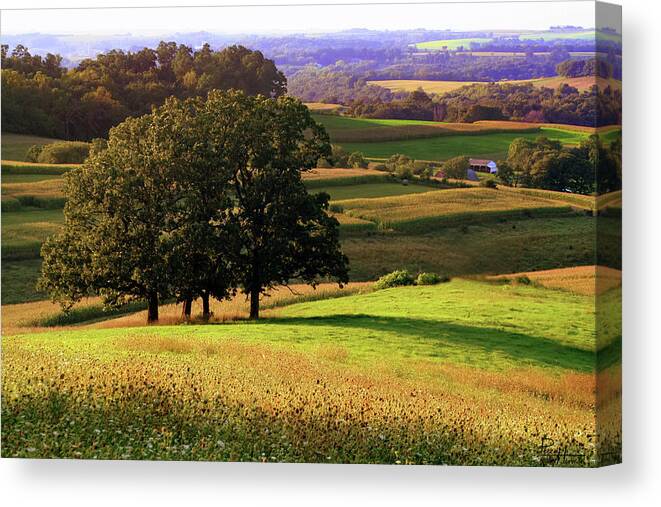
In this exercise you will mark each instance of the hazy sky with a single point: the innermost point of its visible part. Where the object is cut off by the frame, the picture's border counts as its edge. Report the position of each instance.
(456, 16)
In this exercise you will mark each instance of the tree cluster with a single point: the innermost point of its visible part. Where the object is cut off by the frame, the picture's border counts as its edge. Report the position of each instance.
(589, 168)
(596, 67)
(41, 97)
(526, 102)
(199, 199)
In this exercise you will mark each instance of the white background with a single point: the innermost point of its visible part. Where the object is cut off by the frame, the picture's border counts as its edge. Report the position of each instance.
(636, 482)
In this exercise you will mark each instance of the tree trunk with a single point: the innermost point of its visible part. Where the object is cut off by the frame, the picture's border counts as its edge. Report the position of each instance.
(206, 312)
(186, 309)
(152, 310)
(254, 304)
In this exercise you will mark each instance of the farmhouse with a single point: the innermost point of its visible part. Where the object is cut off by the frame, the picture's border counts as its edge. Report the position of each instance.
(483, 165)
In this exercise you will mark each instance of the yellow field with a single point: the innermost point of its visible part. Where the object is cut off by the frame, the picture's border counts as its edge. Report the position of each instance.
(586, 280)
(282, 401)
(444, 205)
(322, 107)
(586, 202)
(495, 124)
(440, 87)
(47, 189)
(320, 174)
(409, 85)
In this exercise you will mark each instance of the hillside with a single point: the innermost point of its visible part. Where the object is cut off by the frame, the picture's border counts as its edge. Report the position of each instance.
(416, 361)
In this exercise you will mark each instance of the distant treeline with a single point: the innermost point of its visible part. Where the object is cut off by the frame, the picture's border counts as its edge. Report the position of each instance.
(348, 84)
(41, 97)
(493, 101)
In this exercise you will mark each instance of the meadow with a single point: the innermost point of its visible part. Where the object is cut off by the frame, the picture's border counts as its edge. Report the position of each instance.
(492, 146)
(416, 380)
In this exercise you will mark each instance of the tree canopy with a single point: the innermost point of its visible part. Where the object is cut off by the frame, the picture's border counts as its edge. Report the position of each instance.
(42, 97)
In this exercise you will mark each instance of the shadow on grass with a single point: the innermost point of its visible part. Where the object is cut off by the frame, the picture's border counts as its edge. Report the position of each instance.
(432, 335)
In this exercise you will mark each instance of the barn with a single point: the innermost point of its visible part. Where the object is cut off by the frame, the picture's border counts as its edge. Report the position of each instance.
(483, 166)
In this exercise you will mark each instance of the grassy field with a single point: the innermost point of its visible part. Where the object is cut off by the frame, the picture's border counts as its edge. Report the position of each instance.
(449, 44)
(454, 44)
(350, 129)
(407, 375)
(503, 246)
(16, 146)
(493, 146)
(424, 140)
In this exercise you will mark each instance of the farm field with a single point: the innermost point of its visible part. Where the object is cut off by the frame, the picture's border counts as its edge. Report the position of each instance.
(418, 361)
(351, 129)
(503, 246)
(586, 280)
(454, 44)
(441, 87)
(371, 190)
(322, 107)
(409, 85)
(431, 221)
(493, 146)
(16, 146)
(450, 44)
(454, 206)
(437, 141)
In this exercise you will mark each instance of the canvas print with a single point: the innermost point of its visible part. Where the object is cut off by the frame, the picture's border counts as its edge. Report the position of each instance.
(322, 234)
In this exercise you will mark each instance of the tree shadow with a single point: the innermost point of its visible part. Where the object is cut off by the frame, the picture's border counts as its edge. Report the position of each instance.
(436, 335)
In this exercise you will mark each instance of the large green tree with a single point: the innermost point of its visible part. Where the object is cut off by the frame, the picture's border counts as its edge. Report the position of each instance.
(127, 207)
(283, 232)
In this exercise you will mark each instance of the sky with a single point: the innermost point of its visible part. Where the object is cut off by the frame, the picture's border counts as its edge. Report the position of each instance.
(281, 19)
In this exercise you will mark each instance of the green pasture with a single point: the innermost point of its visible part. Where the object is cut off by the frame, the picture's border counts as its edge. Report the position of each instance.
(492, 146)
(463, 322)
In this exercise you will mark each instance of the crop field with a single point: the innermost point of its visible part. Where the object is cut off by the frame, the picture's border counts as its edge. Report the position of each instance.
(460, 206)
(441, 87)
(449, 44)
(413, 382)
(492, 146)
(410, 85)
(371, 190)
(44, 193)
(372, 203)
(322, 107)
(586, 280)
(322, 177)
(16, 146)
(349, 129)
